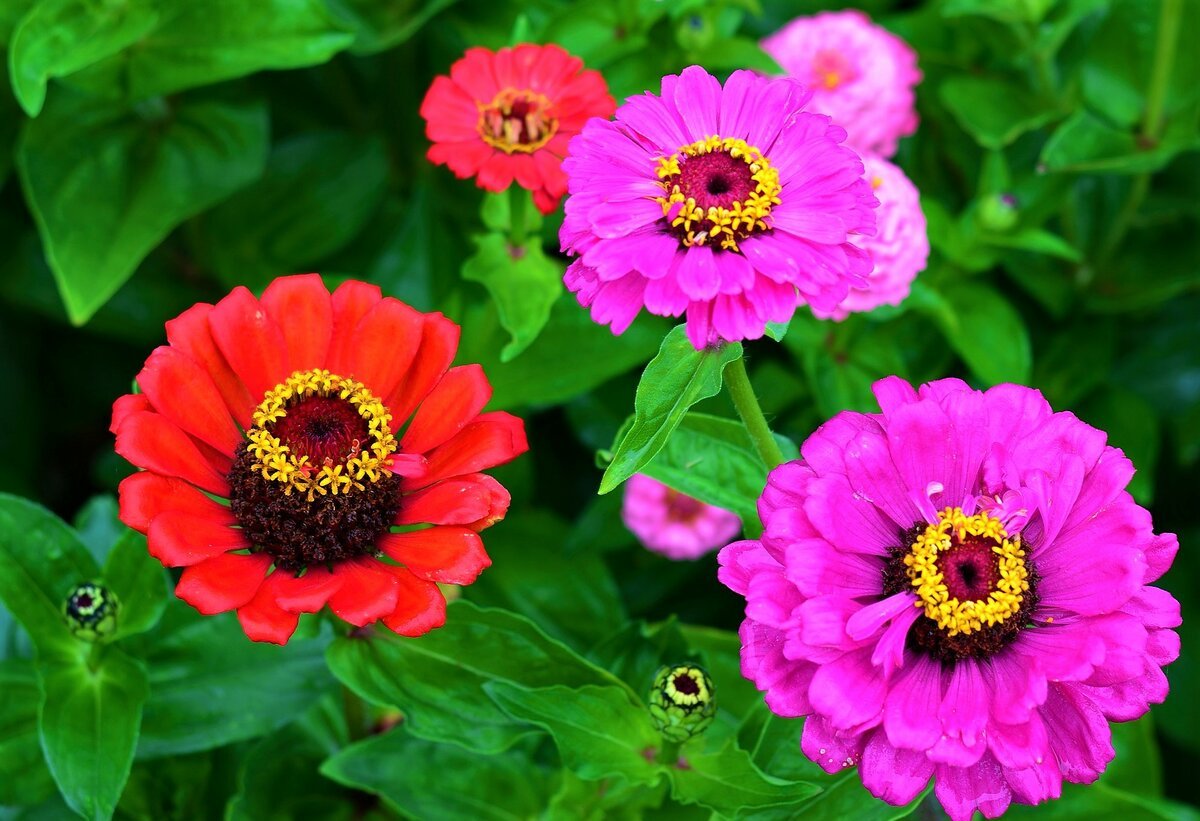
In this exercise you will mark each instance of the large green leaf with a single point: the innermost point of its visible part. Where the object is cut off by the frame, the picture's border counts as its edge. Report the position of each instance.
(316, 194)
(677, 378)
(211, 686)
(524, 282)
(1085, 143)
(727, 781)
(196, 44)
(424, 779)
(381, 26)
(601, 732)
(59, 37)
(140, 583)
(638, 650)
(987, 332)
(436, 679)
(24, 778)
(89, 718)
(41, 560)
(993, 111)
(156, 166)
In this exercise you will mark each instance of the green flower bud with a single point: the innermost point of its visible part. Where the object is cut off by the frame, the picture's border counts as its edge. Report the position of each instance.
(91, 611)
(999, 213)
(681, 702)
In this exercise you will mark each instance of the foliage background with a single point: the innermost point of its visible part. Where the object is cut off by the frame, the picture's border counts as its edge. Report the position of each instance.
(155, 153)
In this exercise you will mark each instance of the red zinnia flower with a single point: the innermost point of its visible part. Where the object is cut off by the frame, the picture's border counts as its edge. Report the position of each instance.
(509, 114)
(293, 408)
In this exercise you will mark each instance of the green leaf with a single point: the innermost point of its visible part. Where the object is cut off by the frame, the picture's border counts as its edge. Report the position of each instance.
(424, 779)
(24, 778)
(993, 111)
(572, 597)
(601, 732)
(1132, 426)
(524, 283)
(714, 460)
(156, 170)
(720, 654)
(677, 378)
(987, 332)
(41, 560)
(197, 44)
(1085, 143)
(315, 196)
(436, 679)
(1037, 240)
(88, 720)
(1005, 11)
(59, 37)
(635, 652)
(727, 781)
(172, 788)
(98, 525)
(381, 26)
(211, 686)
(140, 582)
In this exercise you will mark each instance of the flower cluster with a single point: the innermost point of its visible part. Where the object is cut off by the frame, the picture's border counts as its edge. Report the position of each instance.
(956, 588)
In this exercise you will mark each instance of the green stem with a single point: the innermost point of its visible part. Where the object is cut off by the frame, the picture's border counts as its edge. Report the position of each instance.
(668, 753)
(737, 382)
(1152, 120)
(518, 200)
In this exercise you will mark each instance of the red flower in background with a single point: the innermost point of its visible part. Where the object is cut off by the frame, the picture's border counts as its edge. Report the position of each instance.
(509, 114)
(292, 408)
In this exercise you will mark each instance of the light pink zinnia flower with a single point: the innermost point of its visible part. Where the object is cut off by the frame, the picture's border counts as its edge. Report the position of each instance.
(717, 202)
(861, 74)
(673, 524)
(900, 247)
(957, 588)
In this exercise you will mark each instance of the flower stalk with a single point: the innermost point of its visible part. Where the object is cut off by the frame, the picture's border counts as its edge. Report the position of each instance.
(737, 382)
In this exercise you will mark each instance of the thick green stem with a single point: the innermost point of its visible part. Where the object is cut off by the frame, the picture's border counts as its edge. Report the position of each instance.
(518, 200)
(737, 382)
(668, 753)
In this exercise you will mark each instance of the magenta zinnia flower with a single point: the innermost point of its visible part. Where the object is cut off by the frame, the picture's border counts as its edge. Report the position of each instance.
(900, 247)
(861, 74)
(718, 202)
(672, 523)
(956, 588)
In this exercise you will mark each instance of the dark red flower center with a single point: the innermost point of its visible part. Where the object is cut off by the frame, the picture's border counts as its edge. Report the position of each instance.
(326, 429)
(517, 121)
(686, 684)
(831, 69)
(971, 570)
(682, 508)
(717, 179)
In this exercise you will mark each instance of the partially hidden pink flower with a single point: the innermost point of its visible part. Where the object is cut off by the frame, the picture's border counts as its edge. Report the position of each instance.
(899, 248)
(861, 75)
(730, 204)
(672, 523)
(957, 588)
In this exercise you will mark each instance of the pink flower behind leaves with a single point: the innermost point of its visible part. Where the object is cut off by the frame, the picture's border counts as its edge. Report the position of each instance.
(675, 525)
(956, 588)
(900, 247)
(861, 75)
(730, 204)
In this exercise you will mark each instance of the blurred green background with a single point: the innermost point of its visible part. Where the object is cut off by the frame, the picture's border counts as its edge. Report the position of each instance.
(155, 153)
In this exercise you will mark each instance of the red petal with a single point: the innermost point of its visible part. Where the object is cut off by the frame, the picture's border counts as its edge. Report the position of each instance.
(181, 390)
(150, 441)
(420, 606)
(439, 343)
(451, 555)
(383, 346)
(126, 406)
(450, 114)
(223, 582)
(308, 593)
(472, 501)
(456, 400)
(492, 439)
(264, 620)
(368, 592)
(146, 495)
(251, 341)
(474, 73)
(190, 333)
(351, 302)
(180, 539)
(301, 307)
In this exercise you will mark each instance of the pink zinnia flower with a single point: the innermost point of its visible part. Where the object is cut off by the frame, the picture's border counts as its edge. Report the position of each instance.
(900, 247)
(673, 524)
(718, 202)
(861, 74)
(956, 588)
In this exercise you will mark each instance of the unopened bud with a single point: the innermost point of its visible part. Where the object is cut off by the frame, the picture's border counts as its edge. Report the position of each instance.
(681, 702)
(91, 611)
(999, 213)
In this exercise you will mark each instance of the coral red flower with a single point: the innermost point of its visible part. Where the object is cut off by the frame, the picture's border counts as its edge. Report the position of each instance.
(278, 470)
(509, 114)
